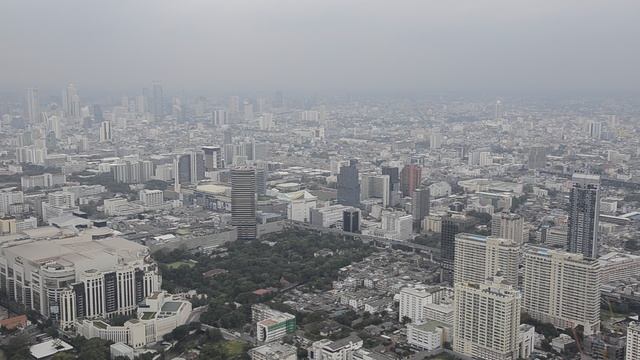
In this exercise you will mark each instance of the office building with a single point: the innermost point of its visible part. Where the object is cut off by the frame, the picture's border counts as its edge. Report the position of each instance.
(394, 177)
(326, 349)
(584, 213)
(479, 257)
(508, 226)
(271, 324)
(71, 102)
(537, 157)
(32, 106)
(261, 181)
(349, 185)
(420, 206)
(299, 205)
(157, 109)
(191, 167)
(351, 220)
(105, 131)
(410, 178)
(375, 187)
(562, 288)
(219, 117)
(397, 225)
(633, 341)
(274, 351)
(327, 216)
(243, 202)
(151, 198)
(451, 225)
(487, 319)
(212, 158)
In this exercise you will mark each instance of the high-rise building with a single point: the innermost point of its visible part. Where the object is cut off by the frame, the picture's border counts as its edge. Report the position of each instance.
(261, 181)
(594, 129)
(410, 177)
(243, 202)
(219, 117)
(394, 176)
(562, 288)
(32, 106)
(420, 206)
(71, 102)
(584, 212)
(435, 140)
(508, 226)
(351, 220)
(452, 224)
(487, 317)
(234, 105)
(105, 131)
(499, 110)
(375, 186)
(191, 167)
(537, 157)
(349, 185)
(212, 157)
(633, 341)
(158, 101)
(479, 257)
(151, 198)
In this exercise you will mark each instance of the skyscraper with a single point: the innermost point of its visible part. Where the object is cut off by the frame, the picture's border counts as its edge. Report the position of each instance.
(375, 186)
(351, 220)
(349, 185)
(212, 157)
(190, 167)
(479, 257)
(243, 202)
(219, 117)
(410, 177)
(105, 131)
(537, 157)
(562, 288)
(420, 206)
(499, 111)
(32, 106)
(71, 102)
(452, 224)
(158, 101)
(486, 320)
(261, 181)
(584, 211)
(508, 226)
(394, 176)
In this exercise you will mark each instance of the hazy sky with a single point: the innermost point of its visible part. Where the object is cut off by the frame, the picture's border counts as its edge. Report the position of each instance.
(394, 45)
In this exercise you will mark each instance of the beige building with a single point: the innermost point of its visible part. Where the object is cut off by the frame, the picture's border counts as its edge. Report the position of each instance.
(633, 341)
(508, 226)
(487, 319)
(562, 288)
(479, 257)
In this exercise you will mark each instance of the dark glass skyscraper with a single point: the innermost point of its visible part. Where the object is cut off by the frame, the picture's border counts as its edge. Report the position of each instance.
(349, 185)
(394, 176)
(584, 211)
(351, 220)
(451, 225)
(419, 206)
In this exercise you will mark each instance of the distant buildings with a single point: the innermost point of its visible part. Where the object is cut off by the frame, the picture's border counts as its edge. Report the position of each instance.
(243, 202)
(584, 212)
(105, 132)
(349, 185)
(562, 288)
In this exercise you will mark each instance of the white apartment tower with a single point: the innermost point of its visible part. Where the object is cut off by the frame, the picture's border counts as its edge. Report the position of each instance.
(562, 288)
(486, 320)
(633, 341)
(479, 257)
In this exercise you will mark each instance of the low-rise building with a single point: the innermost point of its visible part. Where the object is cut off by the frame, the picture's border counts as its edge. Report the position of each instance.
(274, 351)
